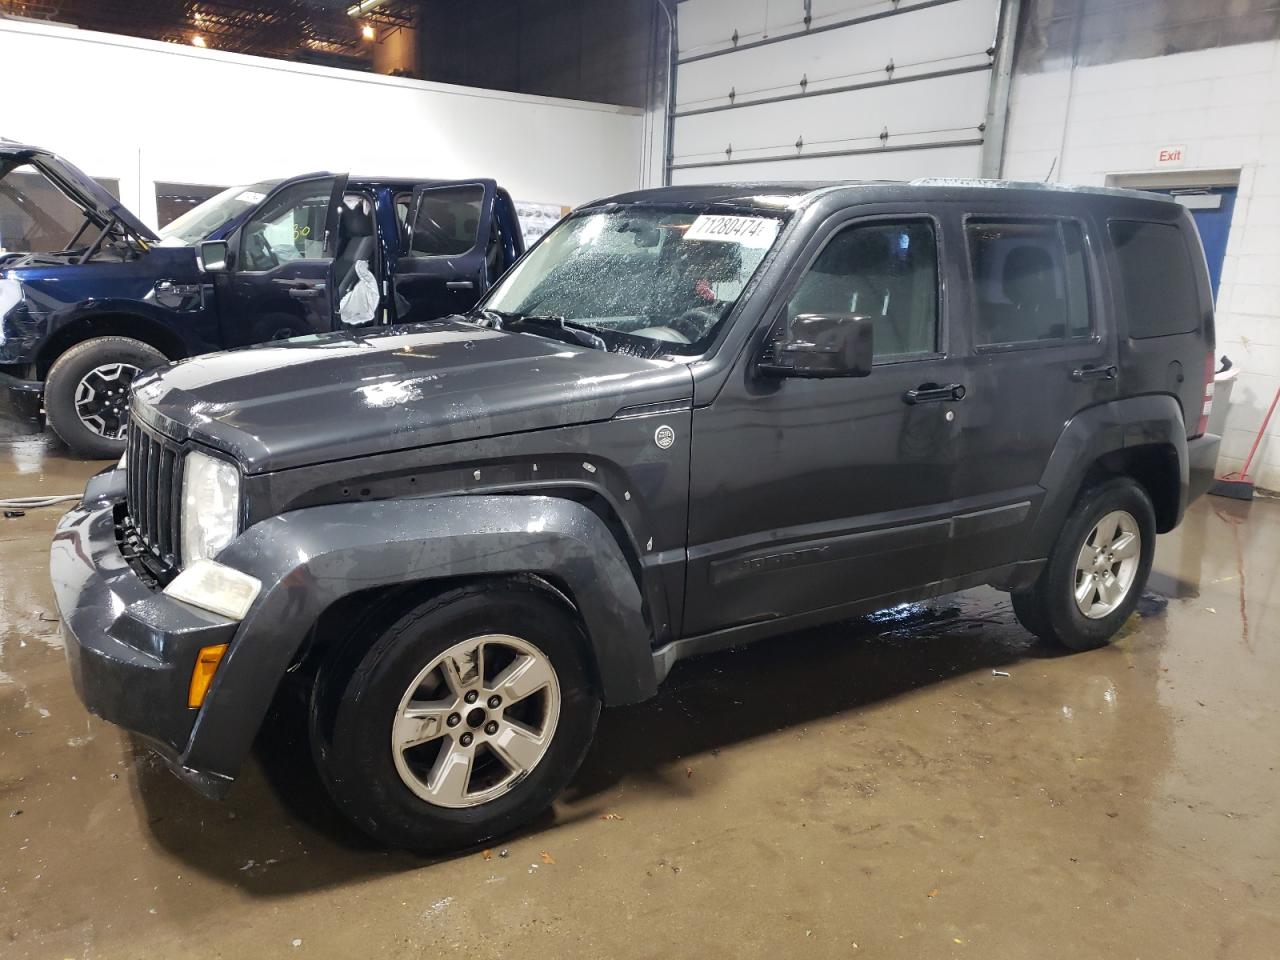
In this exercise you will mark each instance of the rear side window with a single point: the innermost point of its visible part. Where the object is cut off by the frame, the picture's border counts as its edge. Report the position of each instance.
(1030, 281)
(447, 221)
(1157, 278)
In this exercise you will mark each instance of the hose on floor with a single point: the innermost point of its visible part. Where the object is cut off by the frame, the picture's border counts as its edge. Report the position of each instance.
(34, 503)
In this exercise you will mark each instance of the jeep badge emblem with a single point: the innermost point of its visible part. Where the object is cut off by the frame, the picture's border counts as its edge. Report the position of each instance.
(664, 437)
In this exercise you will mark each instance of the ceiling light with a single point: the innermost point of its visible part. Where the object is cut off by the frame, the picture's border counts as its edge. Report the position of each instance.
(364, 6)
(197, 40)
(367, 32)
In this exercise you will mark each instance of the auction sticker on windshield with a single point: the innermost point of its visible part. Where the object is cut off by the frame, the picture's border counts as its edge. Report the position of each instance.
(747, 231)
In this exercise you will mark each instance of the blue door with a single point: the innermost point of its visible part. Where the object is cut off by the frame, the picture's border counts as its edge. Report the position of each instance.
(1212, 208)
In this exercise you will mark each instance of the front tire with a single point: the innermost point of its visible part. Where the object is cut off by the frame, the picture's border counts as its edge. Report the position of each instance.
(86, 394)
(1097, 569)
(461, 722)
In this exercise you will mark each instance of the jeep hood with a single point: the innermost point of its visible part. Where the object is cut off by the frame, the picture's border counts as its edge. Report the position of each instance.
(78, 186)
(343, 395)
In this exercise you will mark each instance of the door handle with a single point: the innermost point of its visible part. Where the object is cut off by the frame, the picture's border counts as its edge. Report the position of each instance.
(461, 285)
(1094, 373)
(934, 393)
(305, 293)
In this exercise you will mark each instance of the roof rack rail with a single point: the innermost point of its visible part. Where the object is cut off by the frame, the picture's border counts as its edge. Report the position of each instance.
(1035, 185)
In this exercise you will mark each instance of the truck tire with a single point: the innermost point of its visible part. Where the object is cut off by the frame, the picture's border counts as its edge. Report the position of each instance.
(1097, 569)
(460, 722)
(86, 394)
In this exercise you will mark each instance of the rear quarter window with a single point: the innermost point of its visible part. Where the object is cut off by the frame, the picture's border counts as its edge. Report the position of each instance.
(1157, 278)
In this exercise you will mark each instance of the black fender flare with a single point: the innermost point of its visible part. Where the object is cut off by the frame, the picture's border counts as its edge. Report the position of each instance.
(1091, 434)
(308, 559)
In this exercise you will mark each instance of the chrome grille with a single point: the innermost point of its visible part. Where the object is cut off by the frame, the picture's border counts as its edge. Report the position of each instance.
(153, 470)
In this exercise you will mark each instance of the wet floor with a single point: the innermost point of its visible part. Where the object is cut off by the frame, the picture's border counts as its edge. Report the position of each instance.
(879, 788)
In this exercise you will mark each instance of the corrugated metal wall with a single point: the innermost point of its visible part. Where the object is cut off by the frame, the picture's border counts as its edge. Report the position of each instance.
(826, 89)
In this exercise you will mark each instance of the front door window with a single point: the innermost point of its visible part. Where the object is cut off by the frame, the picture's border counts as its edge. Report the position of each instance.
(885, 271)
(292, 225)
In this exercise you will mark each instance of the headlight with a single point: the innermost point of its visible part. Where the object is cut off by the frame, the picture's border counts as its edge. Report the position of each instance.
(11, 294)
(210, 506)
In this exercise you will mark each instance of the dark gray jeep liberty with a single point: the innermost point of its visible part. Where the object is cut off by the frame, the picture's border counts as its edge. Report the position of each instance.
(688, 418)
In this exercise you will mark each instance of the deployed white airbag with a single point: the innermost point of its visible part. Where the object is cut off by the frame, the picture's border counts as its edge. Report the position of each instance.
(360, 303)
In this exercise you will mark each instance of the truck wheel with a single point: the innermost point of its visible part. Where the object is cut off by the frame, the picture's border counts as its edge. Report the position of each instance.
(1097, 569)
(86, 394)
(461, 722)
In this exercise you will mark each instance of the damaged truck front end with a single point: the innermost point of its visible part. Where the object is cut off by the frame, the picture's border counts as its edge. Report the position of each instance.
(54, 223)
(90, 297)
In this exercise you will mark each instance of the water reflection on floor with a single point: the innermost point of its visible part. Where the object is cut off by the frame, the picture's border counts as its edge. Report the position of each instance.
(926, 782)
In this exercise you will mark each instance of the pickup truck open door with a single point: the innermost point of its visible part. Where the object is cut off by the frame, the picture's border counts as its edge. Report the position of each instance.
(281, 282)
(452, 250)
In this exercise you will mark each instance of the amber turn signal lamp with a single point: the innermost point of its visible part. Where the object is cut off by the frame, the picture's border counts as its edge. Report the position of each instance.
(207, 661)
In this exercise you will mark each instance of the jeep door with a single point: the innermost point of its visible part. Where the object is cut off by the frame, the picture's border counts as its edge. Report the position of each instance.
(445, 265)
(281, 279)
(808, 494)
(1038, 352)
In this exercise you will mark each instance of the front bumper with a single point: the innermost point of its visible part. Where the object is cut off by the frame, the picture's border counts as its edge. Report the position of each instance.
(131, 649)
(1202, 464)
(22, 398)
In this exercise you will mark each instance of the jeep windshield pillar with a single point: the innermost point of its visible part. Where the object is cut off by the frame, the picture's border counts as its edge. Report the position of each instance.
(690, 418)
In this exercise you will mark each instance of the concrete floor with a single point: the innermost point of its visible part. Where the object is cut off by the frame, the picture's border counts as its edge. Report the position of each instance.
(871, 789)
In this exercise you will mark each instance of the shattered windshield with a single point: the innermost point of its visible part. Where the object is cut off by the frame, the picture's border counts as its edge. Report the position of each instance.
(200, 221)
(642, 280)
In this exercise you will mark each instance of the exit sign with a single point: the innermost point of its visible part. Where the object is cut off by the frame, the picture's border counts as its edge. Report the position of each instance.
(1171, 156)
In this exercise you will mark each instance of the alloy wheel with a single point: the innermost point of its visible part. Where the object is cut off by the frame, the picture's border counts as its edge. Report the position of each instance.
(1107, 564)
(476, 721)
(102, 399)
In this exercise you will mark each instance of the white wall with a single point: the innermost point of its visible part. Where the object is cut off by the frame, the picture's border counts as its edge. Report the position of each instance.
(143, 111)
(1223, 104)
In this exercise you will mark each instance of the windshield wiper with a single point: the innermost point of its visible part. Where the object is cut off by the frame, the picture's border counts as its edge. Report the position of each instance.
(553, 327)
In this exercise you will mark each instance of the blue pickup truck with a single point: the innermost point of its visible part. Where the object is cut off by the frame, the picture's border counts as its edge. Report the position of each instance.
(90, 296)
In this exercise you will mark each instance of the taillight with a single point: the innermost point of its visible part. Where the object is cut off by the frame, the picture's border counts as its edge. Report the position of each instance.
(1203, 426)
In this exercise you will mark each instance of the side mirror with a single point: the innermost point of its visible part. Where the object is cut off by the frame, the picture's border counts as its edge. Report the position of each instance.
(212, 255)
(824, 345)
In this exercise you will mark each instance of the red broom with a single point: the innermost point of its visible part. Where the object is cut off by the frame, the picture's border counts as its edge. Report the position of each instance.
(1239, 486)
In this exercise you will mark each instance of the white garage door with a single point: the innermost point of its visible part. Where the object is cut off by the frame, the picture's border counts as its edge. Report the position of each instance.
(863, 90)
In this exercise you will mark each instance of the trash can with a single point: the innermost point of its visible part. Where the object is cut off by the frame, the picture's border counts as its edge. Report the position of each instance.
(1222, 382)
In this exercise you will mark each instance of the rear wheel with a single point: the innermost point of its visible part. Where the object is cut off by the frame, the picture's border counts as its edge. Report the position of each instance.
(462, 720)
(1097, 569)
(86, 394)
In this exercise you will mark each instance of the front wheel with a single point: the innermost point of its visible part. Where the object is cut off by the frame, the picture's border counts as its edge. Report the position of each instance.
(462, 720)
(86, 394)
(1097, 569)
